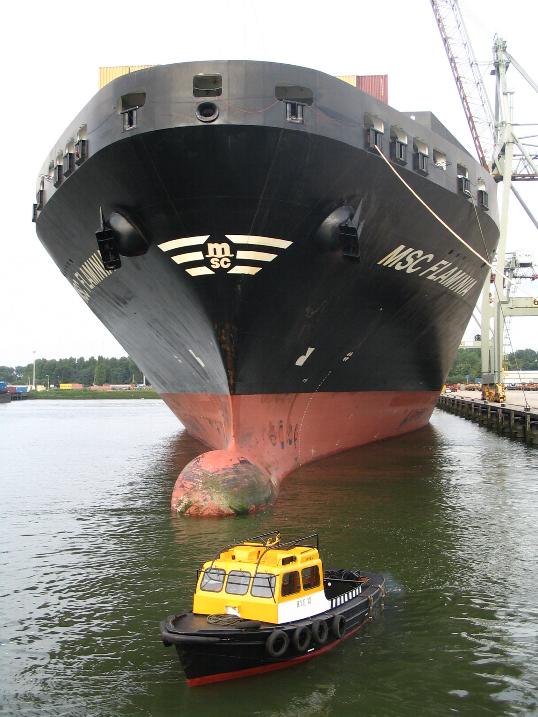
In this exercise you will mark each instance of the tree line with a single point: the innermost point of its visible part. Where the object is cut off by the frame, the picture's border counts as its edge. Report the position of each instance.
(89, 371)
(467, 367)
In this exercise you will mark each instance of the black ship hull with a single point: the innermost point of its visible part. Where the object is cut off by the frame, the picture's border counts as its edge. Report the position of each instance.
(256, 324)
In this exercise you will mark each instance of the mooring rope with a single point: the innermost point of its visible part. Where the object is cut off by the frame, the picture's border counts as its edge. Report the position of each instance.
(436, 216)
(223, 619)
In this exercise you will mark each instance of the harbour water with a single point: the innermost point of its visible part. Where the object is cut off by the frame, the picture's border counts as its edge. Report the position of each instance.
(91, 559)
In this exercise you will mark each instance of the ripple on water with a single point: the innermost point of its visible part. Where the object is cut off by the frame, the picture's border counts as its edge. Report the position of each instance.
(92, 559)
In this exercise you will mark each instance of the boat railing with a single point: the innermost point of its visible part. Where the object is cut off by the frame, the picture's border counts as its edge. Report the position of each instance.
(251, 541)
(341, 587)
(299, 541)
(341, 598)
(257, 540)
(286, 546)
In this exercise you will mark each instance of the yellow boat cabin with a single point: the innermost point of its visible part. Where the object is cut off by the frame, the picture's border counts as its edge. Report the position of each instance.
(263, 579)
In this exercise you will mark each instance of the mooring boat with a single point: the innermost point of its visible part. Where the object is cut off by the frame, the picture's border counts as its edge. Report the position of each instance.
(263, 604)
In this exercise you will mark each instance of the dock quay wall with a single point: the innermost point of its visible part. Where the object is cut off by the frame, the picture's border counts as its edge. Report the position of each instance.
(507, 420)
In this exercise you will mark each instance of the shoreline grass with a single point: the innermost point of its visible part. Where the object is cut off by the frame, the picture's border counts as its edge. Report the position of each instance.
(91, 395)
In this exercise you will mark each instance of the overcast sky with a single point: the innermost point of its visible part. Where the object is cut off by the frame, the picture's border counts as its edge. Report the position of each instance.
(50, 53)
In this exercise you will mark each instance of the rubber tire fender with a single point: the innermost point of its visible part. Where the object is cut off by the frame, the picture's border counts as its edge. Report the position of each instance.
(338, 626)
(320, 631)
(301, 638)
(277, 643)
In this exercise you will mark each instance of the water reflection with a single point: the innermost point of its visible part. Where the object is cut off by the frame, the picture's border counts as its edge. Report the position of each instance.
(93, 558)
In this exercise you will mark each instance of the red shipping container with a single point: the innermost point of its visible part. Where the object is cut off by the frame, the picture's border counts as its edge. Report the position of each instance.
(375, 85)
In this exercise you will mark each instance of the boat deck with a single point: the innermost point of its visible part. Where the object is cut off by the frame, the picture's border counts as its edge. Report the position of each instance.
(191, 623)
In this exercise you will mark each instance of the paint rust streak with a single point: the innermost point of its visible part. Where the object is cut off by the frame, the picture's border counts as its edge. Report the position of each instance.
(226, 334)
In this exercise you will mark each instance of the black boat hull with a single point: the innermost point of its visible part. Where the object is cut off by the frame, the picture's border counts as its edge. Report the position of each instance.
(208, 655)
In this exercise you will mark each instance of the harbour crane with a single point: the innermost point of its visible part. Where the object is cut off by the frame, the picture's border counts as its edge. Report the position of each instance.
(506, 156)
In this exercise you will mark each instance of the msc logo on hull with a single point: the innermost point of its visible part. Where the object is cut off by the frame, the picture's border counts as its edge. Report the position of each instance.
(208, 255)
(219, 255)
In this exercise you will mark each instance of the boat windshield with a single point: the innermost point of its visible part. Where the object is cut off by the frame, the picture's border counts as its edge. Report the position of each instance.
(263, 585)
(213, 580)
(238, 582)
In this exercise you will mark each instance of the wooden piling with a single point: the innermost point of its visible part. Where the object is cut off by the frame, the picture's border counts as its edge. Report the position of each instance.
(510, 421)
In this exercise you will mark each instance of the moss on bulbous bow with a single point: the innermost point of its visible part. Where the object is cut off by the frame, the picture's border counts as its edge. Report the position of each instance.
(235, 489)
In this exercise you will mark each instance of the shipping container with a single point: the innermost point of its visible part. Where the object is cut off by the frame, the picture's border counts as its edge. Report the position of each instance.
(520, 377)
(375, 85)
(350, 79)
(107, 74)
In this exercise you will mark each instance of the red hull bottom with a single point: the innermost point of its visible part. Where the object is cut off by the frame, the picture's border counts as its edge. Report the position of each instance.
(250, 671)
(259, 439)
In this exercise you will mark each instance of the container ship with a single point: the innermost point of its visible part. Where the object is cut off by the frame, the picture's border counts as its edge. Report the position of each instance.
(278, 250)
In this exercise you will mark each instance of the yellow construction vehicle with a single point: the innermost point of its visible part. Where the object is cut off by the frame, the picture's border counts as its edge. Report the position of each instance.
(494, 392)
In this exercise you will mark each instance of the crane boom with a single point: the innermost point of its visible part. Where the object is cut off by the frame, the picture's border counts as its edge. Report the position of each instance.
(500, 151)
(468, 79)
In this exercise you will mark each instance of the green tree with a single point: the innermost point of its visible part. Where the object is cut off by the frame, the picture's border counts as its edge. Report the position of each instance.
(7, 374)
(523, 359)
(100, 374)
(467, 366)
(75, 370)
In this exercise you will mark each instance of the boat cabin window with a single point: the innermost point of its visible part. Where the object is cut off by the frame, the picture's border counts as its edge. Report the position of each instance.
(212, 580)
(310, 577)
(398, 145)
(129, 120)
(295, 112)
(482, 194)
(263, 585)
(81, 145)
(238, 582)
(464, 184)
(58, 170)
(128, 106)
(439, 159)
(375, 128)
(40, 196)
(295, 98)
(291, 583)
(69, 158)
(207, 85)
(420, 157)
(289, 559)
